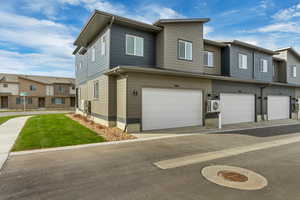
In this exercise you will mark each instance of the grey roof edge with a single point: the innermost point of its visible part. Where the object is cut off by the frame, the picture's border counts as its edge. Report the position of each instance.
(214, 43)
(278, 59)
(289, 49)
(183, 20)
(138, 69)
(245, 44)
(116, 18)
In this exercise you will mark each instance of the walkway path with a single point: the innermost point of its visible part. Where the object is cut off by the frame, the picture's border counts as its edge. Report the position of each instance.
(4, 114)
(9, 132)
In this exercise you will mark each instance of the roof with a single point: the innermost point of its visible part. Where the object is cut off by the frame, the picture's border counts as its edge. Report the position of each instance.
(251, 46)
(291, 49)
(122, 69)
(99, 20)
(214, 43)
(187, 20)
(41, 79)
(278, 59)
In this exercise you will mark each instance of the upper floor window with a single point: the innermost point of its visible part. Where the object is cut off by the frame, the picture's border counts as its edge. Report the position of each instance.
(96, 89)
(263, 65)
(32, 87)
(243, 64)
(93, 54)
(294, 71)
(103, 46)
(61, 89)
(134, 45)
(185, 50)
(5, 85)
(208, 59)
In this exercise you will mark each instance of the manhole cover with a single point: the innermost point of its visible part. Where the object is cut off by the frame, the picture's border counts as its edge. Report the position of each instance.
(234, 177)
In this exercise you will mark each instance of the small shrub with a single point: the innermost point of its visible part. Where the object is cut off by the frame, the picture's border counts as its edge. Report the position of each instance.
(99, 126)
(77, 116)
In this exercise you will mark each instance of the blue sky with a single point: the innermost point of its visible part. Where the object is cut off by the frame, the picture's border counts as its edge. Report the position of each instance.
(36, 36)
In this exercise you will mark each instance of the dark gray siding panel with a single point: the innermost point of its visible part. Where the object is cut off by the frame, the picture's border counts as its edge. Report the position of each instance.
(118, 42)
(235, 71)
(262, 76)
(225, 61)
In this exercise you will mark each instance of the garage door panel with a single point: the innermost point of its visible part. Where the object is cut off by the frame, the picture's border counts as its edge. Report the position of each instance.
(278, 107)
(170, 108)
(237, 108)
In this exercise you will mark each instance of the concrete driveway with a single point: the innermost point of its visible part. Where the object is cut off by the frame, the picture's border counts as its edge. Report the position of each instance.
(127, 171)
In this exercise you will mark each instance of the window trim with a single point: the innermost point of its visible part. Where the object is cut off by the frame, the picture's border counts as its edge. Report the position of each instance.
(242, 67)
(94, 90)
(185, 47)
(93, 57)
(103, 45)
(31, 88)
(262, 69)
(294, 71)
(134, 45)
(213, 59)
(5, 85)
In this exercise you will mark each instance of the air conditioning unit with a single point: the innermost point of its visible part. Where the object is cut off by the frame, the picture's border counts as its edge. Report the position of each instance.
(213, 106)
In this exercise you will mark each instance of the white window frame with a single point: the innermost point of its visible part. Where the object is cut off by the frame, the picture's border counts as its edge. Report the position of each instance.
(93, 54)
(209, 54)
(186, 57)
(80, 64)
(96, 90)
(264, 65)
(135, 46)
(243, 61)
(294, 71)
(103, 45)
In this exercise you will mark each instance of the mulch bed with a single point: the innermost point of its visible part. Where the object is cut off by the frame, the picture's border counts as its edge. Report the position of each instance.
(109, 133)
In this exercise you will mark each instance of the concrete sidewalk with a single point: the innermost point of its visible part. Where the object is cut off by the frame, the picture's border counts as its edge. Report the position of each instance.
(9, 132)
(38, 112)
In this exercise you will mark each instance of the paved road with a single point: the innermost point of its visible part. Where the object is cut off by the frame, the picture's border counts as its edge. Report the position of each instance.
(126, 171)
(3, 114)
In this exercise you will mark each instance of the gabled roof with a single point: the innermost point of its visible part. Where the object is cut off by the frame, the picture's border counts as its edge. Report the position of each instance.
(13, 78)
(251, 46)
(99, 20)
(189, 20)
(291, 49)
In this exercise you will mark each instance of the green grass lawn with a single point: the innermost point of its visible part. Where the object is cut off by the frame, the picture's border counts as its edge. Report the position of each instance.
(53, 130)
(4, 119)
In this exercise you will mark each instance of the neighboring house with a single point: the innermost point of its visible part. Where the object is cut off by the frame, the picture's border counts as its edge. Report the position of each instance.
(41, 92)
(139, 76)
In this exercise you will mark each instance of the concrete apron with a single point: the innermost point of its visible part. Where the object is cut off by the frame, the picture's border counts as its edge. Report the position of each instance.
(9, 132)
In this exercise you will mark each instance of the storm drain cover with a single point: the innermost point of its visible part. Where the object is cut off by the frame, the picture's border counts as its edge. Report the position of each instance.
(234, 177)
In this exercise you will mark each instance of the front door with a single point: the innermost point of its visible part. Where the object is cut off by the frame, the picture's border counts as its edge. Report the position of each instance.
(4, 102)
(72, 102)
(41, 102)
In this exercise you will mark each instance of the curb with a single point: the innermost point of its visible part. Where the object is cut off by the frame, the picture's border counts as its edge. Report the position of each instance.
(136, 140)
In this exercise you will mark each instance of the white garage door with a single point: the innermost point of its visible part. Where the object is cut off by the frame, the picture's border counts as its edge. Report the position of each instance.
(278, 107)
(237, 108)
(170, 108)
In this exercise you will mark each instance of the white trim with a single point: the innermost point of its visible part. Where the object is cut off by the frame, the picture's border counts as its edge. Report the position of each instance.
(93, 57)
(186, 43)
(135, 52)
(242, 61)
(263, 65)
(209, 63)
(294, 71)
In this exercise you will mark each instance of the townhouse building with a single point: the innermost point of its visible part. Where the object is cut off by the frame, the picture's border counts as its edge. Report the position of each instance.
(41, 92)
(139, 76)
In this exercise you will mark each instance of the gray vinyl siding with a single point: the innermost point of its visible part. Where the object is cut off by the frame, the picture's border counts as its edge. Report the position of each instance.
(118, 47)
(92, 69)
(291, 61)
(230, 64)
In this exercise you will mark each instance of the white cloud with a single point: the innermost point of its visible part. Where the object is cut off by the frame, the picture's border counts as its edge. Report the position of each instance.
(207, 30)
(290, 27)
(288, 13)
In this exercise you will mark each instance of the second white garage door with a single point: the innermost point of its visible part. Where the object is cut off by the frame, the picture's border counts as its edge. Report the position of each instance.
(170, 108)
(237, 108)
(278, 107)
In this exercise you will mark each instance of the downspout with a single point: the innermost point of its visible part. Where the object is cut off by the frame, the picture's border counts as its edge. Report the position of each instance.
(261, 102)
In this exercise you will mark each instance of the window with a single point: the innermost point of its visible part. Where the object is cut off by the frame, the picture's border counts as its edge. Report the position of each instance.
(96, 89)
(209, 59)
(134, 45)
(263, 65)
(243, 61)
(294, 71)
(80, 64)
(274, 68)
(5, 85)
(32, 87)
(61, 89)
(20, 100)
(93, 54)
(185, 50)
(103, 46)
(58, 100)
